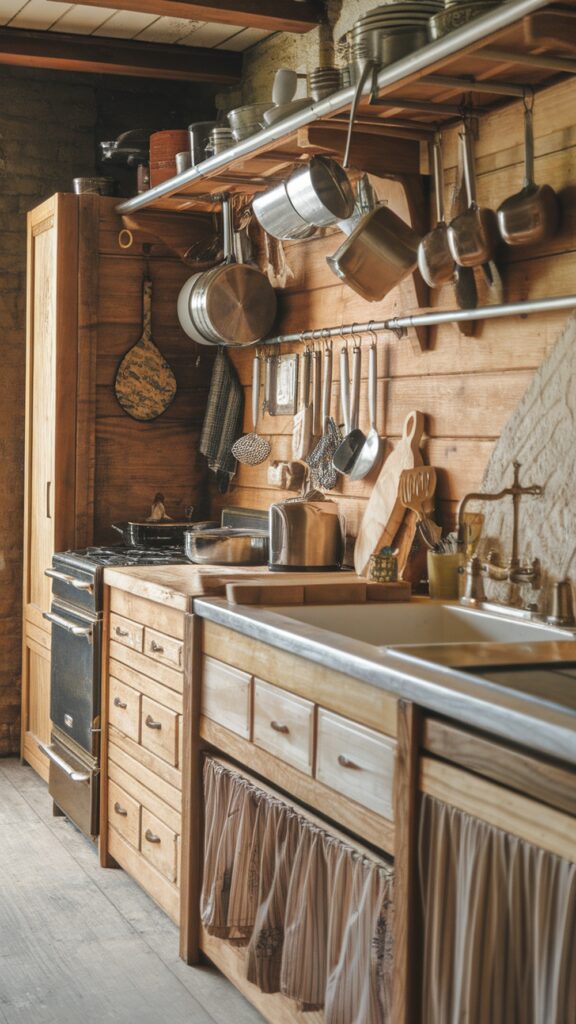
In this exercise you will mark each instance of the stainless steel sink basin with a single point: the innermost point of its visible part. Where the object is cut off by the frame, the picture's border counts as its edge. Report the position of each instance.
(421, 622)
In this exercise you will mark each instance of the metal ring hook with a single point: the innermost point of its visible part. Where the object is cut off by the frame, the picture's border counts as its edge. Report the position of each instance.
(528, 98)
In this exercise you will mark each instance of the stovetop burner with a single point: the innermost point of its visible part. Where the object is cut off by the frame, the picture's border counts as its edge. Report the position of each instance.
(117, 554)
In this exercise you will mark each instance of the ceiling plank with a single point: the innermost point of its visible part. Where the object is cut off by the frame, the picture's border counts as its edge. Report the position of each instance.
(118, 57)
(286, 16)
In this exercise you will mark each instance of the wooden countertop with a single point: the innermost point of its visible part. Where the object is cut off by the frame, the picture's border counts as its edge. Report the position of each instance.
(177, 585)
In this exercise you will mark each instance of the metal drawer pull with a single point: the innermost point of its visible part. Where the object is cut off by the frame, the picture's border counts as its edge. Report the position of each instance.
(151, 837)
(157, 648)
(70, 627)
(73, 775)
(346, 762)
(120, 810)
(279, 727)
(149, 721)
(119, 703)
(121, 632)
(65, 578)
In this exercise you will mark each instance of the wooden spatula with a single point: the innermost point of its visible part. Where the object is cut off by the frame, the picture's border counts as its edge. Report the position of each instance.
(417, 489)
(145, 384)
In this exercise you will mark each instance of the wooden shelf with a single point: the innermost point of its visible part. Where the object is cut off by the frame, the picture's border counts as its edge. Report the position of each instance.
(415, 96)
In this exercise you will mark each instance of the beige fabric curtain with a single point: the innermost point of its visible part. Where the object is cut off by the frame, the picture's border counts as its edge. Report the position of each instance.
(315, 912)
(499, 924)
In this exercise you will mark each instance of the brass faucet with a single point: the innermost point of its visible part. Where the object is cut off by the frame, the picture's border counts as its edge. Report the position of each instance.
(492, 568)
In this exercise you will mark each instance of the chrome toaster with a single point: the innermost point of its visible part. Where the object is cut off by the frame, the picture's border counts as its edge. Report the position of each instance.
(306, 534)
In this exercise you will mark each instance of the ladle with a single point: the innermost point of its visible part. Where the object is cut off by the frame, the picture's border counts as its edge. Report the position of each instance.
(369, 454)
(349, 449)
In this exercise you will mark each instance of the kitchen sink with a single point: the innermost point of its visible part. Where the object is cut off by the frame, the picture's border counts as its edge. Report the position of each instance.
(422, 622)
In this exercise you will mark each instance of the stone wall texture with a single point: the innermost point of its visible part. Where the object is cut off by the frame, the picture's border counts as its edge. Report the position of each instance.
(541, 436)
(50, 124)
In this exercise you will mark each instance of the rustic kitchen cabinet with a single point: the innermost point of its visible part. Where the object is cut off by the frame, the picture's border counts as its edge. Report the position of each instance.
(87, 463)
(141, 819)
(496, 881)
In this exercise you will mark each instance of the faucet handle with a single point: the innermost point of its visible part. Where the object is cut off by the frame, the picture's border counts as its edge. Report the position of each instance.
(562, 605)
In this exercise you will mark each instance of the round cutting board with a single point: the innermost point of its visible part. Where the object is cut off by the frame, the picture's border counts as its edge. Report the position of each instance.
(145, 384)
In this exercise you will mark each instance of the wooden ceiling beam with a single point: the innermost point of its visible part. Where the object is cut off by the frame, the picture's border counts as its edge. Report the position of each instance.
(270, 15)
(118, 57)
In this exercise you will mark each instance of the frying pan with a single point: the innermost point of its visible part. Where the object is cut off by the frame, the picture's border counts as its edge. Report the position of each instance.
(157, 534)
(531, 215)
(473, 235)
(435, 261)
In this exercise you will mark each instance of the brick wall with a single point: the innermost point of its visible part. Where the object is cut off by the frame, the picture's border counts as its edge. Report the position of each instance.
(50, 124)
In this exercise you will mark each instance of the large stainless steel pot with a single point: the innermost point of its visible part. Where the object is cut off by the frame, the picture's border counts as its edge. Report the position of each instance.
(275, 213)
(226, 546)
(381, 251)
(320, 192)
(231, 304)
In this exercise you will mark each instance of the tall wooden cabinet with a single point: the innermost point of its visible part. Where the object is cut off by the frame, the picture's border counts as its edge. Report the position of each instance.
(52, 422)
(87, 463)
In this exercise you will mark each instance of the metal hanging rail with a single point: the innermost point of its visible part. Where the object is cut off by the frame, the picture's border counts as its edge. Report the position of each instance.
(473, 32)
(400, 324)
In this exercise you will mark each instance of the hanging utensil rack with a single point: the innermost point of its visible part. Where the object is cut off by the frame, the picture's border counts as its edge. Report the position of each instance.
(400, 324)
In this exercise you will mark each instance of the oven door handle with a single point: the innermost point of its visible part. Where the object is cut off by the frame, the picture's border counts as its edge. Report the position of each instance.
(66, 578)
(72, 774)
(70, 627)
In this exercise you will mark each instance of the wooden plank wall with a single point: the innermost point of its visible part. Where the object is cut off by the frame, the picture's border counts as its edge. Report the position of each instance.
(467, 387)
(132, 460)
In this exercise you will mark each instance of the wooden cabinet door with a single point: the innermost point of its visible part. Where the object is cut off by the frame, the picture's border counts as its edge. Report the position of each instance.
(51, 389)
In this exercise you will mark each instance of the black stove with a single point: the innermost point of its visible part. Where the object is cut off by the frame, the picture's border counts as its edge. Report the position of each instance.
(76, 617)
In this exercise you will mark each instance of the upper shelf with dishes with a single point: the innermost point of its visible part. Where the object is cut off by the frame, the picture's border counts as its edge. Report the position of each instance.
(488, 61)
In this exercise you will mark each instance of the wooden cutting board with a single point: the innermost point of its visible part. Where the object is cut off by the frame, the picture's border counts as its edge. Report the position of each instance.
(145, 384)
(384, 512)
(308, 588)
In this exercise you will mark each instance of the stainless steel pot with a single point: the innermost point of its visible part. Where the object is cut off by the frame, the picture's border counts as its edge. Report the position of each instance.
(226, 546)
(276, 214)
(380, 252)
(232, 304)
(320, 192)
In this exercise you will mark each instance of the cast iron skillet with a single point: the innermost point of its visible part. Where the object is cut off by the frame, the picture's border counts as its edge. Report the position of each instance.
(158, 534)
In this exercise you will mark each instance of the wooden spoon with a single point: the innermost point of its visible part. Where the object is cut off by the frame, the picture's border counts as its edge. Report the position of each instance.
(145, 384)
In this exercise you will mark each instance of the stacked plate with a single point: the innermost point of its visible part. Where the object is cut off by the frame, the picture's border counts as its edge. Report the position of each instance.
(246, 121)
(323, 82)
(391, 31)
(456, 14)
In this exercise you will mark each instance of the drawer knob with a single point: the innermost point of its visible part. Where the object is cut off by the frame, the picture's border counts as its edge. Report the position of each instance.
(119, 703)
(347, 762)
(279, 727)
(122, 632)
(150, 837)
(120, 810)
(157, 648)
(149, 721)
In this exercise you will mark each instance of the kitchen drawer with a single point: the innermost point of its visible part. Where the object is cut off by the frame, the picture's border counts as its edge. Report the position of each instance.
(227, 696)
(159, 845)
(284, 725)
(159, 730)
(126, 632)
(124, 708)
(356, 761)
(124, 814)
(163, 648)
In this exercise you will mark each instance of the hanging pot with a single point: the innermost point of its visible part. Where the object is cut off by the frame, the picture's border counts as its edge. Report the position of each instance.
(231, 304)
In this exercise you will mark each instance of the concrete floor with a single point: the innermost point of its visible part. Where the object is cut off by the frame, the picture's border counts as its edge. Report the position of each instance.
(83, 945)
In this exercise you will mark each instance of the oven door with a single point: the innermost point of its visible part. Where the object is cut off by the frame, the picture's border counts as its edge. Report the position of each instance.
(73, 783)
(75, 676)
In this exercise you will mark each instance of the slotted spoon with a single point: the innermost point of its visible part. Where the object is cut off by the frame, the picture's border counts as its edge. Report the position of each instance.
(416, 490)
